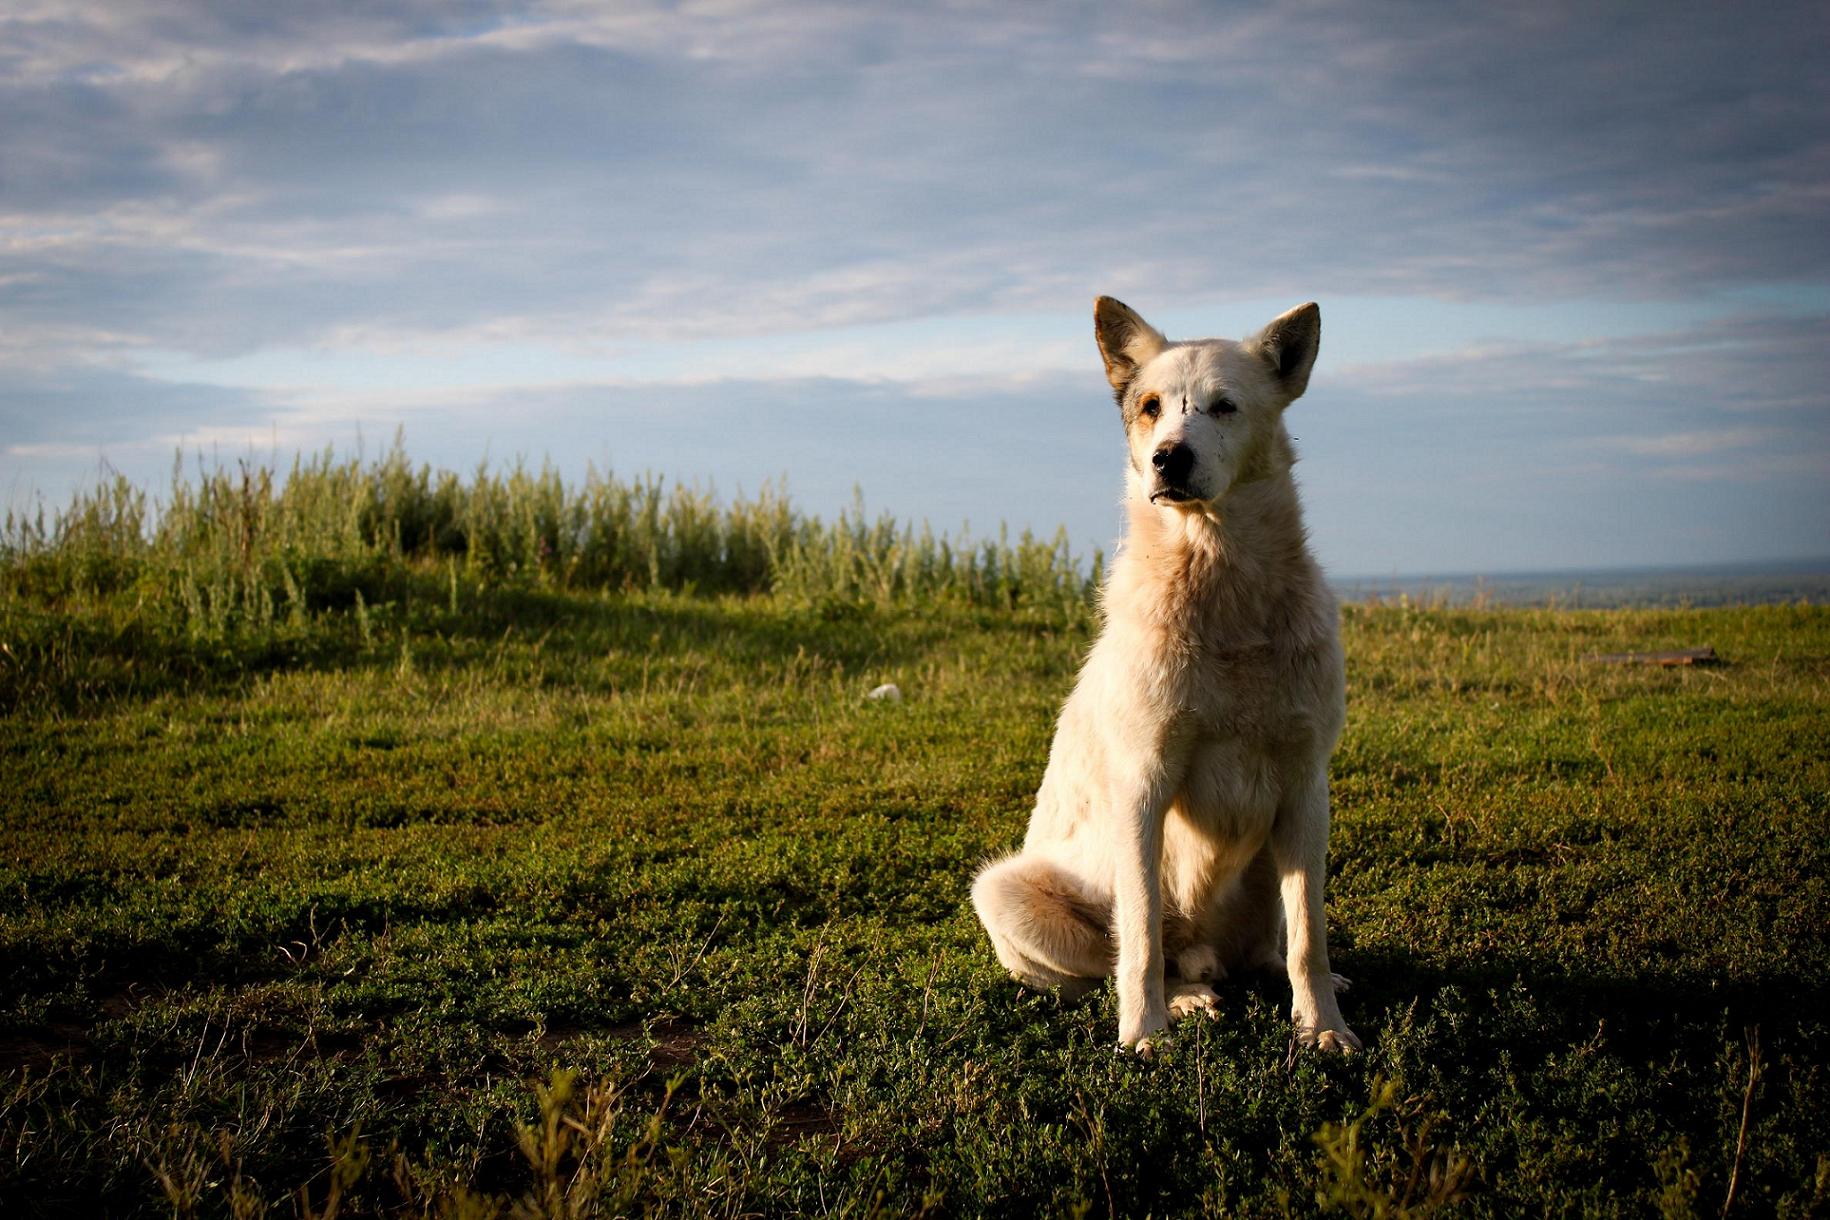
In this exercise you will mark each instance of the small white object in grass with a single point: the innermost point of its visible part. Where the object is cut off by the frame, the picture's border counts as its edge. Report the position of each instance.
(889, 690)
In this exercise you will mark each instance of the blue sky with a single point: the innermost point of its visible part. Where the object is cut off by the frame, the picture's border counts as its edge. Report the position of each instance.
(1573, 260)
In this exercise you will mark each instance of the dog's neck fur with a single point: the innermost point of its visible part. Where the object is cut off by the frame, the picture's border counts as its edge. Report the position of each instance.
(1243, 561)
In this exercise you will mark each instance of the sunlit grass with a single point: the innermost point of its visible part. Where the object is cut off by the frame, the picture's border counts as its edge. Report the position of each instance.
(311, 901)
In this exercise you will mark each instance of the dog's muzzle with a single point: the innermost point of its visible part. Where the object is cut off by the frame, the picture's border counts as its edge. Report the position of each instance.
(1173, 464)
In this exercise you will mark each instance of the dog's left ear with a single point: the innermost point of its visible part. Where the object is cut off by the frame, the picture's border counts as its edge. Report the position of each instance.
(1289, 345)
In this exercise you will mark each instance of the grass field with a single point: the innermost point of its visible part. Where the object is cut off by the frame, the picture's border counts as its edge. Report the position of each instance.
(316, 894)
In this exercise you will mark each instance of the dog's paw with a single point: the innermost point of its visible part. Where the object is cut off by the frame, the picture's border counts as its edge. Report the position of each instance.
(1191, 998)
(1336, 1041)
(1341, 981)
(1146, 1048)
(1144, 1036)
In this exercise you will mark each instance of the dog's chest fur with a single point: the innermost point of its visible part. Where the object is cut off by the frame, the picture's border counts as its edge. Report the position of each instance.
(1249, 730)
(1244, 646)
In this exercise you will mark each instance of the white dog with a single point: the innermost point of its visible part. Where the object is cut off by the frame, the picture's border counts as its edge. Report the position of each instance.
(1184, 811)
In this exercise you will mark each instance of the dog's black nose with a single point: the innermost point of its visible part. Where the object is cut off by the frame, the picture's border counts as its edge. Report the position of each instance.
(1173, 462)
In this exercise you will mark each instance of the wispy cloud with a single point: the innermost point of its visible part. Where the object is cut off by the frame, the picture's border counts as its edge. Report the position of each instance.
(770, 167)
(1689, 444)
(1751, 363)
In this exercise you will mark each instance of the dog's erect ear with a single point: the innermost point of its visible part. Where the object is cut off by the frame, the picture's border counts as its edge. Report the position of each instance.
(1289, 345)
(1125, 340)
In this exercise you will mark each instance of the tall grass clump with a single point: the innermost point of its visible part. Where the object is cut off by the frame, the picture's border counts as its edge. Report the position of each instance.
(856, 560)
(95, 546)
(249, 551)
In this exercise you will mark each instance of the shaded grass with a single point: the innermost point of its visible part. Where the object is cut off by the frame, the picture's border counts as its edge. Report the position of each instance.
(317, 905)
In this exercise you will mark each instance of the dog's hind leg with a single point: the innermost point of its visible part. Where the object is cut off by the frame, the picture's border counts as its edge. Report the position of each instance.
(1187, 999)
(1049, 932)
(1248, 917)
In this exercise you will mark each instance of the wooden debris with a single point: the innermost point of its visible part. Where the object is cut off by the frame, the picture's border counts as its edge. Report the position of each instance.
(1682, 656)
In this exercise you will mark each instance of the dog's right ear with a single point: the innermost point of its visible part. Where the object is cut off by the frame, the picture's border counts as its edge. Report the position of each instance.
(1125, 340)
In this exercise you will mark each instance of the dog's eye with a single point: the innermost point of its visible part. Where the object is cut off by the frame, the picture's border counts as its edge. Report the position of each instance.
(1150, 407)
(1223, 406)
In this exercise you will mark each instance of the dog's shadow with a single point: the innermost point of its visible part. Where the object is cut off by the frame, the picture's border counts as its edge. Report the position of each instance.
(1527, 1006)
(1521, 1004)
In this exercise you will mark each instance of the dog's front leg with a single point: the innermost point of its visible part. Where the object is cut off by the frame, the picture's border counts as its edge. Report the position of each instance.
(1299, 843)
(1137, 913)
